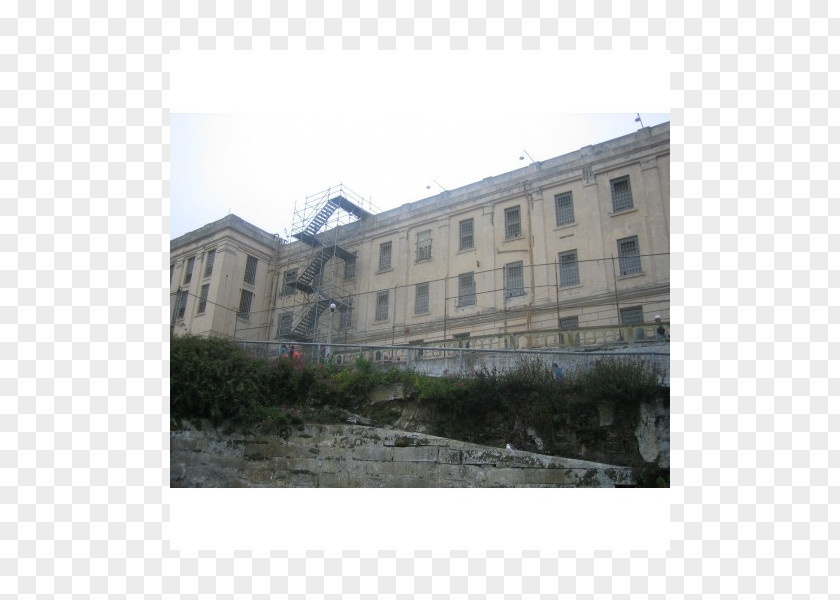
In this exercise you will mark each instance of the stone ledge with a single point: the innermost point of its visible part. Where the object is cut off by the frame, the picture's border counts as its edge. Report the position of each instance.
(353, 456)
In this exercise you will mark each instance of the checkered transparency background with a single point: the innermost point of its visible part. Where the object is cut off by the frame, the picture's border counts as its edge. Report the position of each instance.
(84, 243)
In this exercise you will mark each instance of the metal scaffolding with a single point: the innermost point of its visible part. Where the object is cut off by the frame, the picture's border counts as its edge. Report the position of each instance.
(325, 275)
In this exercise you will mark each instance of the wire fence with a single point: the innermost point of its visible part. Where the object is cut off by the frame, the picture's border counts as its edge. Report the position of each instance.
(442, 361)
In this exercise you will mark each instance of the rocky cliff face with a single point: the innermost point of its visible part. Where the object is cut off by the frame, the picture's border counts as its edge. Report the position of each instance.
(606, 432)
(360, 456)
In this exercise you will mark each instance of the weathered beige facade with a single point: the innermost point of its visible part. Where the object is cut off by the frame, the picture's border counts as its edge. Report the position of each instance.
(574, 246)
(218, 273)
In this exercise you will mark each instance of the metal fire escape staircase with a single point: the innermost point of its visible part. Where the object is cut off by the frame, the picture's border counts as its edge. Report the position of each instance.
(306, 281)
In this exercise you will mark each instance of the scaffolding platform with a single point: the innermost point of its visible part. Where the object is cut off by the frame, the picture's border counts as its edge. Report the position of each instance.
(321, 225)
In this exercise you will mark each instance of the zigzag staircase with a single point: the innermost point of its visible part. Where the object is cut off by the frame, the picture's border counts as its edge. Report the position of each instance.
(306, 324)
(309, 236)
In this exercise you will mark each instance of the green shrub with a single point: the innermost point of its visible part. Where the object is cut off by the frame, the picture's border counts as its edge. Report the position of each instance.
(352, 385)
(618, 380)
(623, 383)
(214, 379)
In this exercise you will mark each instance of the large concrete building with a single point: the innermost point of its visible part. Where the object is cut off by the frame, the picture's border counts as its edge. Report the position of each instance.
(569, 251)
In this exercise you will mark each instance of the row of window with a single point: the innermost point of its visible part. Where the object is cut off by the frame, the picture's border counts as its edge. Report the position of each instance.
(514, 286)
(632, 315)
(622, 199)
(629, 316)
(244, 300)
(629, 262)
(250, 268)
(181, 302)
(188, 272)
(568, 275)
(466, 239)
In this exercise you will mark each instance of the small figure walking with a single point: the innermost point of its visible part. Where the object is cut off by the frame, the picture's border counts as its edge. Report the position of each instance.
(558, 372)
(294, 353)
(284, 352)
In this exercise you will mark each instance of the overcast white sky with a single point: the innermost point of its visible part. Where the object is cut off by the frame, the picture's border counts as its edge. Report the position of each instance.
(255, 134)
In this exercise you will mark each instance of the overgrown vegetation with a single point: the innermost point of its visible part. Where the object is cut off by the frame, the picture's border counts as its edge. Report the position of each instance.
(218, 381)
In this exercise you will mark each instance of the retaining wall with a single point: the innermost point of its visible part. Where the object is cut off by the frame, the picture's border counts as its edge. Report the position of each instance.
(358, 456)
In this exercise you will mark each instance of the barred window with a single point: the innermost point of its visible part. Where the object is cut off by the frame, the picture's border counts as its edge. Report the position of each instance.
(421, 298)
(631, 315)
(202, 300)
(465, 233)
(513, 223)
(514, 280)
(569, 323)
(382, 306)
(568, 268)
(251, 270)
(345, 313)
(284, 324)
(629, 261)
(181, 304)
(424, 245)
(245, 305)
(622, 197)
(466, 289)
(208, 264)
(385, 256)
(289, 278)
(564, 209)
(350, 268)
(189, 271)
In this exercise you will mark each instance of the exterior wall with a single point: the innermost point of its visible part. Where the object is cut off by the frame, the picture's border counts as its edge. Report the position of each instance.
(234, 241)
(595, 301)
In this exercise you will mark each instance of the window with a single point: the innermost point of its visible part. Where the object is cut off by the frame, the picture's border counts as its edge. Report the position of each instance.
(345, 313)
(190, 267)
(202, 299)
(424, 245)
(181, 304)
(289, 278)
(513, 223)
(622, 197)
(251, 270)
(466, 289)
(465, 235)
(629, 261)
(514, 280)
(171, 273)
(421, 298)
(382, 306)
(284, 324)
(568, 268)
(564, 209)
(208, 264)
(350, 268)
(569, 323)
(385, 256)
(632, 315)
(464, 339)
(245, 305)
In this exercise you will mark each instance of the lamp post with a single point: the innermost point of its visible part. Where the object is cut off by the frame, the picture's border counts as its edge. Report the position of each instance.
(329, 330)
